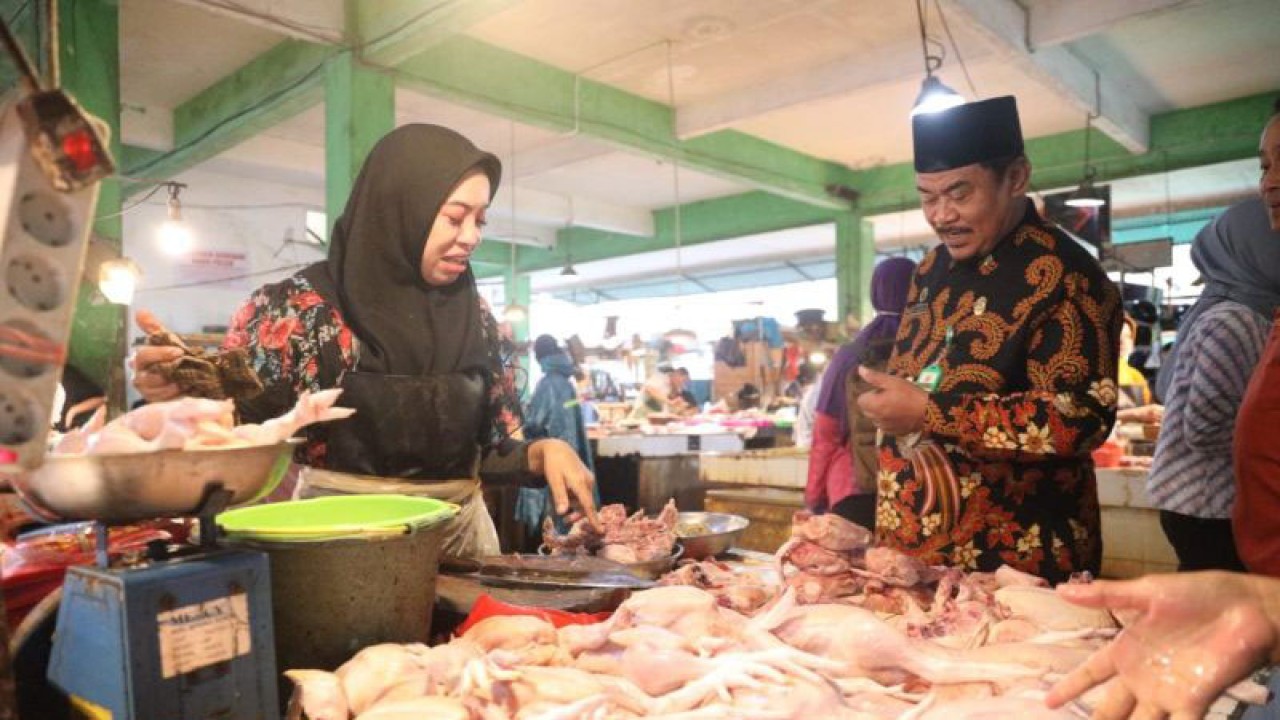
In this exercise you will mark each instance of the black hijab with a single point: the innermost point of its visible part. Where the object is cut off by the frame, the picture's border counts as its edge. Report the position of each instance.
(405, 326)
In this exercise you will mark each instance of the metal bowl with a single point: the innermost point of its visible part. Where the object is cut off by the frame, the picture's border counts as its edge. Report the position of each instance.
(139, 486)
(648, 570)
(725, 530)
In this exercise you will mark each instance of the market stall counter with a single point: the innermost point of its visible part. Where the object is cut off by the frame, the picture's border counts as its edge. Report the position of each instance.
(644, 471)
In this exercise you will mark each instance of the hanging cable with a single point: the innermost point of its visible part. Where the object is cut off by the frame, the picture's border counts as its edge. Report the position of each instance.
(956, 48)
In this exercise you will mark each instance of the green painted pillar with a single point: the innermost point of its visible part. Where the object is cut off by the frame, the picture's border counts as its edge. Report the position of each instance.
(359, 108)
(89, 55)
(855, 260)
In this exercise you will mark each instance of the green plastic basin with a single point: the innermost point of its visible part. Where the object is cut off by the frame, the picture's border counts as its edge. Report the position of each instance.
(336, 517)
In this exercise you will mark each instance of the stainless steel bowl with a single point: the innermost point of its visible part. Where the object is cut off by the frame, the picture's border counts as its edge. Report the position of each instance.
(648, 570)
(724, 532)
(654, 569)
(139, 486)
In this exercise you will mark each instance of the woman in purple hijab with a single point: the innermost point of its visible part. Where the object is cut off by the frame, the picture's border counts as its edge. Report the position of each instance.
(842, 464)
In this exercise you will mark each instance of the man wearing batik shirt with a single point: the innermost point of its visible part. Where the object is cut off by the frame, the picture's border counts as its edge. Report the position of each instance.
(1003, 376)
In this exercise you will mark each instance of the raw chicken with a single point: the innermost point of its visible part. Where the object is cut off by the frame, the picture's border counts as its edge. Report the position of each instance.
(530, 639)
(622, 538)
(318, 694)
(869, 647)
(194, 424)
(434, 707)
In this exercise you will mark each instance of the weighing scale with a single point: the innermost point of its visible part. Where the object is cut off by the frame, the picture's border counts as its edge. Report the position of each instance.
(181, 636)
(186, 632)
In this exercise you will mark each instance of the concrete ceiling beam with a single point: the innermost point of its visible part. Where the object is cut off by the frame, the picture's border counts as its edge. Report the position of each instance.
(1005, 23)
(322, 21)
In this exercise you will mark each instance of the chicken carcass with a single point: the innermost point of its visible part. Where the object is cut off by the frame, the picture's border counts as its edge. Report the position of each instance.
(531, 639)
(318, 695)
(869, 647)
(194, 424)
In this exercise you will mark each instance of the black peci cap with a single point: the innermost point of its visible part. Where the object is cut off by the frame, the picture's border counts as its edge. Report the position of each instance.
(967, 134)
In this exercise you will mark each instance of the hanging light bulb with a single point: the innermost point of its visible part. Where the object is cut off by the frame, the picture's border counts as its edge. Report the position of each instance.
(118, 280)
(1086, 195)
(934, 96)
(515, 313)
(175, 235)
(817, 358)
(569, 269)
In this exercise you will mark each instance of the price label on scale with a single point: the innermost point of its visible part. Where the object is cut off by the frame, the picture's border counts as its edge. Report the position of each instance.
(196, 636)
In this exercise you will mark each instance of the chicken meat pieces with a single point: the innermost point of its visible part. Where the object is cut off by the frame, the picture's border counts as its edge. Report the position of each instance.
(221, 375)
(623, 538)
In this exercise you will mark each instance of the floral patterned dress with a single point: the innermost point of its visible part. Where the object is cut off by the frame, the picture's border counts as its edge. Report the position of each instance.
(298, 342)
(1026, 340)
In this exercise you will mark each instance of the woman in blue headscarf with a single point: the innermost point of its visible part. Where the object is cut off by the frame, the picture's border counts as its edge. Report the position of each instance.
(842, 461)
(1192, 481)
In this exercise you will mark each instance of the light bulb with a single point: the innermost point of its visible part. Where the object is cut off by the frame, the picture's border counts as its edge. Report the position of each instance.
(515, 313)
(118, 280)
(817, 358)
(935, 97)
(176, 238)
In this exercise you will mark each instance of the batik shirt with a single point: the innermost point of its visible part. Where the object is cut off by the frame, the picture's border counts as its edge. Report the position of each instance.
(1001, 473)
(298, 342)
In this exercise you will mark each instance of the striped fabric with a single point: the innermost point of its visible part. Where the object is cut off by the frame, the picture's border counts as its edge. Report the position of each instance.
(1192, 473)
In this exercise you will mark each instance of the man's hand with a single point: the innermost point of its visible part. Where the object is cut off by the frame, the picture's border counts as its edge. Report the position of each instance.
(570, 482)
(895, 405)
(151, 384)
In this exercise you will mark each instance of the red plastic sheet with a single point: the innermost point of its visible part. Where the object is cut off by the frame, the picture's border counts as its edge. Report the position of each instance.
(487, 607)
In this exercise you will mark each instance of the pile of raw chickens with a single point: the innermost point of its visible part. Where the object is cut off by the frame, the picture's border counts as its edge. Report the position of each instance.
(855, 633)
(622, 538)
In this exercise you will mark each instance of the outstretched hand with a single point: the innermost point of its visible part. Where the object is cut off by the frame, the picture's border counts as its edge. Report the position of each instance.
(1190, 637)
(151, 384)
(570, 482)
(895, 405)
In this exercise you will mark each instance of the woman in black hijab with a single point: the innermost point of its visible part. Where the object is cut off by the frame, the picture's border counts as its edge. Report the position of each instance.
(394, 318)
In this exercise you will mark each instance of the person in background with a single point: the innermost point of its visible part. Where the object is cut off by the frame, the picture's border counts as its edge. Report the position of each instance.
(655, 394)
(1187, 638)
(842, 462)
(682, 400)
(1219, 343)
(807, 410)
(1003, 378)
(1134, 391)
(1256, 513)
(394, 319)
(554, 412)
(749, 397)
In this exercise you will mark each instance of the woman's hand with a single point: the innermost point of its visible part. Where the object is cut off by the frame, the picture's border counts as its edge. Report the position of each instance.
(1150, 414)
(570, 482)
(1188, 638)
(151, 384)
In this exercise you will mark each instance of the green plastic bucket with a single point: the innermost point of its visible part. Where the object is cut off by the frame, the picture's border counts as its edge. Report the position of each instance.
(347, 571)
(335, 518)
